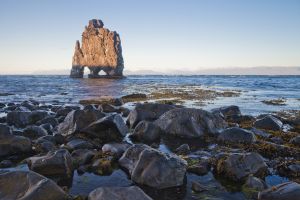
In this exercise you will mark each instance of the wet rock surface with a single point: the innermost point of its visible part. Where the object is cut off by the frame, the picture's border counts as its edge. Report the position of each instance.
(147, 112)
(236, 135)
(238, 166)
(118, 193)
(150, 167)
(107, 129)
(192, 153)
(269, 123)
(146, 132)
(56, 163)
(285, 191)
(11, 144)
(190, 123)
(30, 186)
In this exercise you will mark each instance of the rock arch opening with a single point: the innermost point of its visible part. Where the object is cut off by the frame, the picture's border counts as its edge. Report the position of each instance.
(100, 51)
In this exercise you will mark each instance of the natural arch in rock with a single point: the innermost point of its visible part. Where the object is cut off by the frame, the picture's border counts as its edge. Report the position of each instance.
(100, 49)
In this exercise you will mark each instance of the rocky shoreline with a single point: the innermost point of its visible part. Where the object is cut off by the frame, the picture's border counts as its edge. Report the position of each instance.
(167, 151)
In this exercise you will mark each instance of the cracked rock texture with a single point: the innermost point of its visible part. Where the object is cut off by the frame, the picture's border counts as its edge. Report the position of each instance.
(100, 49)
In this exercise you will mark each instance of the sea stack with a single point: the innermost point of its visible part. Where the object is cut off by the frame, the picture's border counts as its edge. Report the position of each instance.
(100, 50)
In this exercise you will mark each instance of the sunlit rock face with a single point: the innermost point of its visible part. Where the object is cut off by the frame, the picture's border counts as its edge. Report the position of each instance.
(100, 50)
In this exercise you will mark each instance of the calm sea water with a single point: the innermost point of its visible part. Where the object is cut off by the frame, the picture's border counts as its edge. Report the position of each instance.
(63, 89)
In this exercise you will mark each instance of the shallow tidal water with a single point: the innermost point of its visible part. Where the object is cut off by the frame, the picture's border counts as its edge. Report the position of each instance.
(64, 90)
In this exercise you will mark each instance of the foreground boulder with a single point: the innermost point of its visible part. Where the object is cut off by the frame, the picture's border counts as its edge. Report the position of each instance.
(18, 118)
(236, 135)
(21, 119)
(55, 163)
(240, 165)
(21, 185)
(284, 191)
(147, 132)
(108, 129)
(77, 120)
(11, 144)
(34, 132)
(268, 123)
(118, 193)
(148, 166)
(190, 123)
(148, 112)
(229, 112)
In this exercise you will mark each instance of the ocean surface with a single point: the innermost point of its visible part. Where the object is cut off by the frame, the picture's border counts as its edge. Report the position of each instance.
(64, 90)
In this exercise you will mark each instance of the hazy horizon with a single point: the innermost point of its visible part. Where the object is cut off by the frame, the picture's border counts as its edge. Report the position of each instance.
(262, 70)
(159, 36)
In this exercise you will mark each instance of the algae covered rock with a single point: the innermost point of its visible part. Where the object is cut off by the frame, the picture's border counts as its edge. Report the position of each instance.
(238, 166)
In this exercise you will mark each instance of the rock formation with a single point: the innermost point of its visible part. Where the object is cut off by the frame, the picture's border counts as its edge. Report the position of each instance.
(100, 50)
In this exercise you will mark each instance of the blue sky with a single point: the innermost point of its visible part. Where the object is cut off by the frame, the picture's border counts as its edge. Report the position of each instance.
(156, 35)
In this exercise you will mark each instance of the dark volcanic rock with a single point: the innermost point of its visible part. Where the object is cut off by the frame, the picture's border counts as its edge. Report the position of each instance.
(255, 183)
(295, 141)
(236, 135)
(108, 129)
(2, 105)
(62, 111)
(22, 119)
(108, 108)
(48, 120)
(183, 149)
(3, 119)
(238, 166)
(118, 193)
(29, 105)
(253, 186)
(229, 112)
(147, 132)
(148, 166)
(48, 127)
(6, 164)
(11, 144)
(18, 119)
(82, 156)
(147, 112)
(79, 144)
(115, 149)
(200, 167)
(190, 123)
(284, 191)
(45, 147)
(261, 133)
(21, 185)
(269, 123)
(77, 120)
(37, 115)
(55, 163)
(34, 132)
